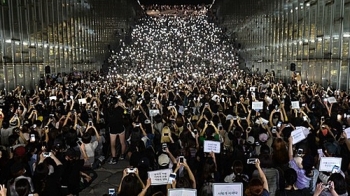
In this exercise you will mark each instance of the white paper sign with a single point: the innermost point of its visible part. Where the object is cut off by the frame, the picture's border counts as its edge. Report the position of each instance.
(231, 189)
(295, 105)
(263, 121)
(153, 112)
(257, 105)
(82, 101)
(298, 135)
(327, 163)
(347, 131)
(52, 98)
(182, 192)
(211, 146)
(159, 177)
(332, 100)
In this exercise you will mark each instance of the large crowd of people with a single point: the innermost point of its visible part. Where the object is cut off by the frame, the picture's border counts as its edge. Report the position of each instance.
(174, 88)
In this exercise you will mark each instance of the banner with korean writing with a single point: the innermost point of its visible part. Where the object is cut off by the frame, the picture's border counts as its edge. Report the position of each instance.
(230, 189)
(182, 192)
(159, 177)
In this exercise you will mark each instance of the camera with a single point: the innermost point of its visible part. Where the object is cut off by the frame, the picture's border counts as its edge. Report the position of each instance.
(279, 124)
(32, 137)
(181, 159)
(172, 177)
(46, 154)
(111, 192)
(164, 146)
(300, 152)
(251, 161)
(131, 170)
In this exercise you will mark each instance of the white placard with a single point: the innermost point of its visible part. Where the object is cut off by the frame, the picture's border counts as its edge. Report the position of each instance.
(332, 100)
(263, 120)
(347, 131)
(231, 189)
(295, 105)
(153, 112)
(252, 89)
(182, 192)
(211, 146)
(52, 98)
(327, 163)
(257, 105)
(159, 177)
(298, 135)
(82, 101)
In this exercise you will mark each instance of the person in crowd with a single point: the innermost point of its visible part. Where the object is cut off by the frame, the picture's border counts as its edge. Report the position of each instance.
(174, 84)
(290, 189)
(258, 186)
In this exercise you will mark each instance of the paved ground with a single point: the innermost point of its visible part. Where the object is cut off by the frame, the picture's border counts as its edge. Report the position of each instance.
(108, 177)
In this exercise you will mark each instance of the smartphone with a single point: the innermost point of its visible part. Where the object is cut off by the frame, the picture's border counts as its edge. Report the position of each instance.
(131, 170)
(46, 154)
(320, 152)
(111, 191)
(90, 123)
(305, 118)
(195, 131)
(335, 169)
(166, 134)
(251, 161)
(300, 152)
(273, 129)
(279, 124)
(322, 118)
(172, 177)
(164, 146)
(32, 137)
(79, 143)
(181, 158)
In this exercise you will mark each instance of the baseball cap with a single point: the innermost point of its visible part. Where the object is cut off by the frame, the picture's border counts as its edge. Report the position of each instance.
(250, 140)
(163, 159)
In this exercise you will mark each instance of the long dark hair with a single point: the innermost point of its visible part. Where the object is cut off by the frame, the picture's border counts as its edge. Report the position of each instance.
(130, 186)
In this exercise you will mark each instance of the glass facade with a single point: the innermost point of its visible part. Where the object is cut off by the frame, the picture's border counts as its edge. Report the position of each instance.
(66, 35)
(313, 34)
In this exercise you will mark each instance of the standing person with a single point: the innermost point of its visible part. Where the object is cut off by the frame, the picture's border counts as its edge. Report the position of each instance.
(117, 129)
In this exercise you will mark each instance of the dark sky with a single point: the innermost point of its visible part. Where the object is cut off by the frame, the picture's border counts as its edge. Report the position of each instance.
(175, 2)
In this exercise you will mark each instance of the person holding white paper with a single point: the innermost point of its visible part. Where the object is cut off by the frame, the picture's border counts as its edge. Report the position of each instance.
(303, 165)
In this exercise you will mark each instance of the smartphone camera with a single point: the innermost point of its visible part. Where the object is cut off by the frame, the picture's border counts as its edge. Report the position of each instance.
(300, 152)
(172, 177)
(164, 146)
(273, 129)
(305, 118)
(279, 124)
(32, 137)
(181, 158)
(251, 161)
(131, 170)
(46, 154)
(111, 192)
